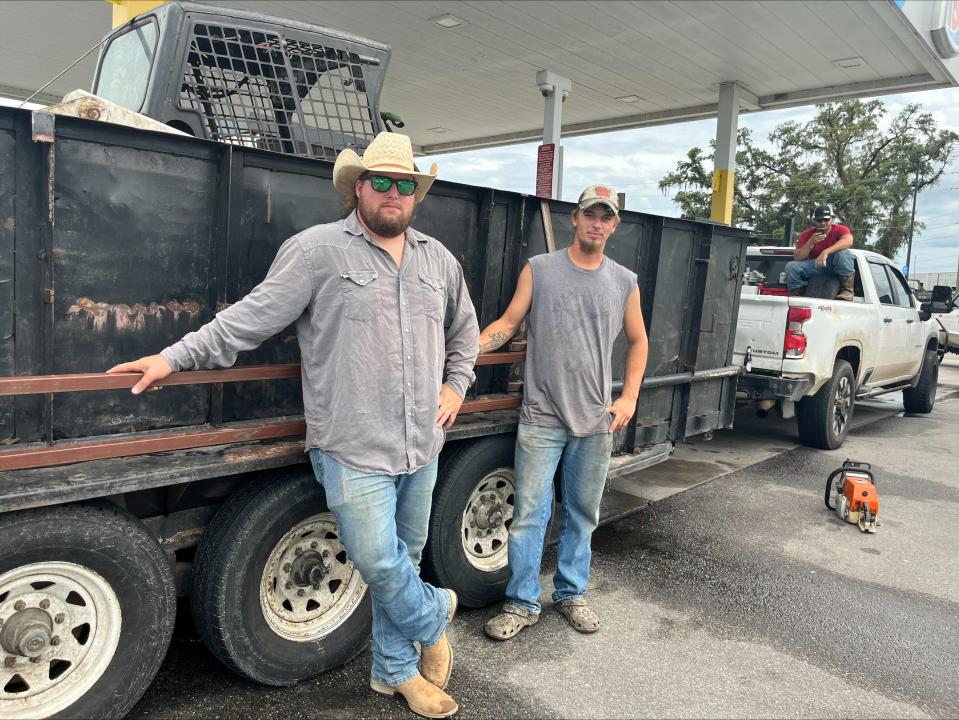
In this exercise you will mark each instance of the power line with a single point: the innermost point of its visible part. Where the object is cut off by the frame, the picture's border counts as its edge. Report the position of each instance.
(939, 227)
(938, 215)
(951, 257)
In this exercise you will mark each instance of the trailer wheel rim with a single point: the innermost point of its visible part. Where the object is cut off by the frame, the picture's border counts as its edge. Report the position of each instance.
(485, 525)
(60, 631)
(841, 406)
(309, 586)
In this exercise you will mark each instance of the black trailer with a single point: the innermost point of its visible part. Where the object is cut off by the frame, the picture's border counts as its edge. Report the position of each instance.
(115, 242)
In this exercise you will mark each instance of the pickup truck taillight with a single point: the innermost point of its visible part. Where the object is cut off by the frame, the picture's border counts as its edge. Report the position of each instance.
(794, 345)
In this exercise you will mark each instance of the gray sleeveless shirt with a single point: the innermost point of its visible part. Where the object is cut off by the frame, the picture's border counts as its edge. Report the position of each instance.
(574, 320)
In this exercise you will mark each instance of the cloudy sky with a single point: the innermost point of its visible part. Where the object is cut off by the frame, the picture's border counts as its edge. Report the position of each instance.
(633, 161)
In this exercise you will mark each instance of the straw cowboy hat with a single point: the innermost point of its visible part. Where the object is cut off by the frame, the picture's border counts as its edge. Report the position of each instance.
(388, 153)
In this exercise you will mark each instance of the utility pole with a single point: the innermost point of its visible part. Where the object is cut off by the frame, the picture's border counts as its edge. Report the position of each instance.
(912, 223)
(788, 231)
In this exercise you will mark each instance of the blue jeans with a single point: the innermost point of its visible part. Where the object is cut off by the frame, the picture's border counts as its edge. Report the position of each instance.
(383, 522)
(585, 463)
(839, 263)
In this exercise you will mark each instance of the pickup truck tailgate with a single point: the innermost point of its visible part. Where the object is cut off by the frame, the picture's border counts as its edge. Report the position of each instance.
(760, 329)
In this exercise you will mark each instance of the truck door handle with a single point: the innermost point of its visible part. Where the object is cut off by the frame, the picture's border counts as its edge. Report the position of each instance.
(910, 321)
(887, 319)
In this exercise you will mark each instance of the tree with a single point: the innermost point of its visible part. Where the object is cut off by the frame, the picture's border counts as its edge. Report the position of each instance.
(846, 156)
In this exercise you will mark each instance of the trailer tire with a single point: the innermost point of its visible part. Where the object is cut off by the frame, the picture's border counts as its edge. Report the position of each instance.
(823, 419)
(249, 602)
(922, 398)
(95, 580)
(475, 482)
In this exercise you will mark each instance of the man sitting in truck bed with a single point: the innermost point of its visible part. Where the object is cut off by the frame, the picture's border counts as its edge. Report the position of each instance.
(821, 250)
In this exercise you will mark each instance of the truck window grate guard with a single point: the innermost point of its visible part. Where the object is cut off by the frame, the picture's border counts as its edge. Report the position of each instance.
(263, 90)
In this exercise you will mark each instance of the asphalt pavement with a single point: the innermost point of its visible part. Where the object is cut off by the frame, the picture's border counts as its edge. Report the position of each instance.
(739, 596)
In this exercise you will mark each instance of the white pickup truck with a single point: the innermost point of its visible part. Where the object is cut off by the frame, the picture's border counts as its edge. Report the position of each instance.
(812, 357)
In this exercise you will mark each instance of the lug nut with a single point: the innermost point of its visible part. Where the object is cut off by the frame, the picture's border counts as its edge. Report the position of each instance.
(326, 553)
(289, 586)
(314, 544)
(298, 551)
(34, 659)
(9, 661)
(301, 592)
(19, 605)
(287, 567)
(473, 509)
(55, 640)
(44, 604)
(59, 618)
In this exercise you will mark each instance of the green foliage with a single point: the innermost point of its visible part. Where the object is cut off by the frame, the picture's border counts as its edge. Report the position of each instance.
(847, 156)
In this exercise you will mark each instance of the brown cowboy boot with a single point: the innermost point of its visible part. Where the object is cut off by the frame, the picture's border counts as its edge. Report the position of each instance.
(437, 660)
(846, 291)
(423, 697)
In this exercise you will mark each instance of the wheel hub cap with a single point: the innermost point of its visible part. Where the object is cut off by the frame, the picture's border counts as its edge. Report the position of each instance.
(309, 585)
(489, 514)
(27, 633)
(59, 629)
(309, 570)
(486, 520)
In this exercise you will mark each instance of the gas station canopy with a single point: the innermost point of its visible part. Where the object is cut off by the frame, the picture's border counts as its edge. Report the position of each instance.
(462, 73)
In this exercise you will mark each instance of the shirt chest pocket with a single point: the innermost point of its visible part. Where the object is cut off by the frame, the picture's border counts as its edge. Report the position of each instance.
(361, 294)
(433, 290)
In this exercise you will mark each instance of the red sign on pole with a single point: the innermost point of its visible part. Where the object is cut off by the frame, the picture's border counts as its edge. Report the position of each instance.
(544, 170)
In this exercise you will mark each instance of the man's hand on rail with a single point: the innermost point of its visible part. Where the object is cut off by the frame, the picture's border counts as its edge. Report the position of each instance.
(153, 367)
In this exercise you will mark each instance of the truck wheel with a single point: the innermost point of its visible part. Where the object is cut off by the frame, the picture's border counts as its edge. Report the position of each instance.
(824, 418)
(87, 604)
(275, 596)
(472, 511)
(922, 398)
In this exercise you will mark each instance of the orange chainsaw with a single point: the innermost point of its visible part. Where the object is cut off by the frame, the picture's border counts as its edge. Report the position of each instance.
(856, 498)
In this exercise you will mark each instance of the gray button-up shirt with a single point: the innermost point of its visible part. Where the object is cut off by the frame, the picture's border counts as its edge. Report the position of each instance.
(376, 341)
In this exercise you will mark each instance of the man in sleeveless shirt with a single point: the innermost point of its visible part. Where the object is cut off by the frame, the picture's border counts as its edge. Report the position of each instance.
(576, 301)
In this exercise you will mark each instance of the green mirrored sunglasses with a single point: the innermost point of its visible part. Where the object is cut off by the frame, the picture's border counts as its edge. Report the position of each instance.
(382, 184)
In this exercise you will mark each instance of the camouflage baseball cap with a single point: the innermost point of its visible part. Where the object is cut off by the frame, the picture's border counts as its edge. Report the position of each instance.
(595, 194)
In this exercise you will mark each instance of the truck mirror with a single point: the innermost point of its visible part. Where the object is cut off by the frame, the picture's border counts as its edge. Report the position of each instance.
(932, 307)
(941, 293)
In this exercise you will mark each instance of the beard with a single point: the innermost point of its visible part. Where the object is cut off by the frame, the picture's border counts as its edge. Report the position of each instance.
(589, 246)
(381, 224)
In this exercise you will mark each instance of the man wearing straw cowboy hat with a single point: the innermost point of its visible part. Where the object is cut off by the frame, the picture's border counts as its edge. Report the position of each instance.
(388, 338)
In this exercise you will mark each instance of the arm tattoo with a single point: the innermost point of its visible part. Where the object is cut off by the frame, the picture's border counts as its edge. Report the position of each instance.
(495, 340)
